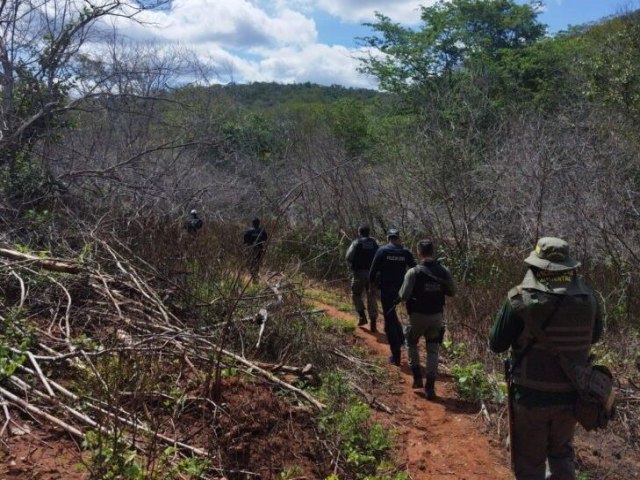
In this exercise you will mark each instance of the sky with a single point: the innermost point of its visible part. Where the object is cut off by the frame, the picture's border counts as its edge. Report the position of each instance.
(289, 41)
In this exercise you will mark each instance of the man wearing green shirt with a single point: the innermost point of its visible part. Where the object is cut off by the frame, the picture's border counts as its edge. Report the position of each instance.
(554, 298)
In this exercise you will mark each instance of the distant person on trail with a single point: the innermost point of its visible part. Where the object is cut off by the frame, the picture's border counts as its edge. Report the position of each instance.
(193, 223)
(552, 313)
(424, 290)
(388, 268)
(359, 256)
(255, 238)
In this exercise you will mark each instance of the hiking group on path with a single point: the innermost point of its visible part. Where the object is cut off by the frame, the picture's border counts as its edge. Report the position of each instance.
(548, 322)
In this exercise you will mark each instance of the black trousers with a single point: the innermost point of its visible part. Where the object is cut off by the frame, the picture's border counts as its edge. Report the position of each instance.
(392, 327)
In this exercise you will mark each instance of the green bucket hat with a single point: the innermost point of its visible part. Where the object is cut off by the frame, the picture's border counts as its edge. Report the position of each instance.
(552, 254)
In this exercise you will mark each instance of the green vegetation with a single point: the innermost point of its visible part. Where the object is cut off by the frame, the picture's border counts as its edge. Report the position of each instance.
(347, 421)
(472, 383)
(337, 325)
(111, 457)
(14, 332)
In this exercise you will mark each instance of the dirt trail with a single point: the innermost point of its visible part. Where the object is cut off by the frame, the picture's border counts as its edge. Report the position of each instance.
(436, 440)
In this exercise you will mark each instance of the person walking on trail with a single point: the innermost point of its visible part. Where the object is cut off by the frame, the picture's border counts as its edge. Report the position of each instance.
(359, 256)
(255, 239)
(388, 268)
(424, 289)
(552, 300)
(193, 223)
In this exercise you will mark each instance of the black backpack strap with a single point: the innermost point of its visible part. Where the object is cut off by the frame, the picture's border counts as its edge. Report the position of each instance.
(431, 275)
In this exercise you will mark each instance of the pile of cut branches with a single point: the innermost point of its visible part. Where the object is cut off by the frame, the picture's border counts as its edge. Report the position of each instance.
(100, 345)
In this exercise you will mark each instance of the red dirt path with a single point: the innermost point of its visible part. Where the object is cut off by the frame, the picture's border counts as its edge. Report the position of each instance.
(436, 440)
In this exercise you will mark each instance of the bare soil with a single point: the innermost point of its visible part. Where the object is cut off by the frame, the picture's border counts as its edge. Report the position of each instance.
(257, 434)
(44, 453)
(438, 439)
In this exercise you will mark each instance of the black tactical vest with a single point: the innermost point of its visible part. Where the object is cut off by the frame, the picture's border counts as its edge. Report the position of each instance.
(363, 254)
(570, 329)
(428, 293)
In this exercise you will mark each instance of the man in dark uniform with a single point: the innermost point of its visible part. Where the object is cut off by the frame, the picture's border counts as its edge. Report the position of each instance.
(193, 223)
(255, 238)
(424, 290)
(387, 270)
(359, 256)
(553, 299)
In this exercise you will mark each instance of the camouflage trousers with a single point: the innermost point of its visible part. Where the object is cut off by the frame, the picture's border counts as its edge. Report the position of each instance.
(359, 285)
(544, 434)
(427, 326)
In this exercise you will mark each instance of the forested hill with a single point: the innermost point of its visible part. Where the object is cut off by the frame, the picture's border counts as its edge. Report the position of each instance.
(262, 95)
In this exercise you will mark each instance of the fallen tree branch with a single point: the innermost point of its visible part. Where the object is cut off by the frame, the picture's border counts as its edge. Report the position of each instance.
(371, 400)
(56, 421)
(91, 422)
(274, 379)
(307, 369)
(52, 264)
(41, 376)
(23, 290)
(7, 415)
(262, 315)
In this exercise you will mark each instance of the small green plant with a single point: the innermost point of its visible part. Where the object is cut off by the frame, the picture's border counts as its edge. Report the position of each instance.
(336, 325)
(194, 468)
(362, 442)
(454, 350)
(14, 333)
(229, 372)
(289, 473)
(472, 382)
(111, 458)
(583, 476)
(85, 342)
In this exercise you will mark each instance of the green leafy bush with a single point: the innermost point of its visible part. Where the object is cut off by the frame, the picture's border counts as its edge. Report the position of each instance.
(362, 442)
(111, 458)
(14, 333)
(472, 382)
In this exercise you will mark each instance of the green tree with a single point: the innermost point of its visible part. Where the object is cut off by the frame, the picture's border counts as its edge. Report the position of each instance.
(454, 36)
(614, 71)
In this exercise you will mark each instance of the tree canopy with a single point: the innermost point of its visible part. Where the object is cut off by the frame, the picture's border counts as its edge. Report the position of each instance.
(454, 34)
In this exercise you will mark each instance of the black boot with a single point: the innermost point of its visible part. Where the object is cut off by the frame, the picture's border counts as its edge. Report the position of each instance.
(430, 389)
(417, 377)
(394, 359)
(363, 318)
(372, 322)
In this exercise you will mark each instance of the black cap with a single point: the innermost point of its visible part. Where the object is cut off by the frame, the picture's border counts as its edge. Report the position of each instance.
(393, 233)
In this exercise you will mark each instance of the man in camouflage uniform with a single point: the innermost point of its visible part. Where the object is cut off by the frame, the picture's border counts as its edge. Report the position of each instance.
(388, 268)
(424, 290)
(554, 299)
(359, 256)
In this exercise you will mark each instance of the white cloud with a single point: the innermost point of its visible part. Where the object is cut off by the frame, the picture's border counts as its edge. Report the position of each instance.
(323, 64)
(252, 40)
(403, 11)
(235, 24)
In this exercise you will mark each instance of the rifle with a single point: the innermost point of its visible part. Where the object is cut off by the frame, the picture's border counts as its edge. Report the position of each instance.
(508, 369)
